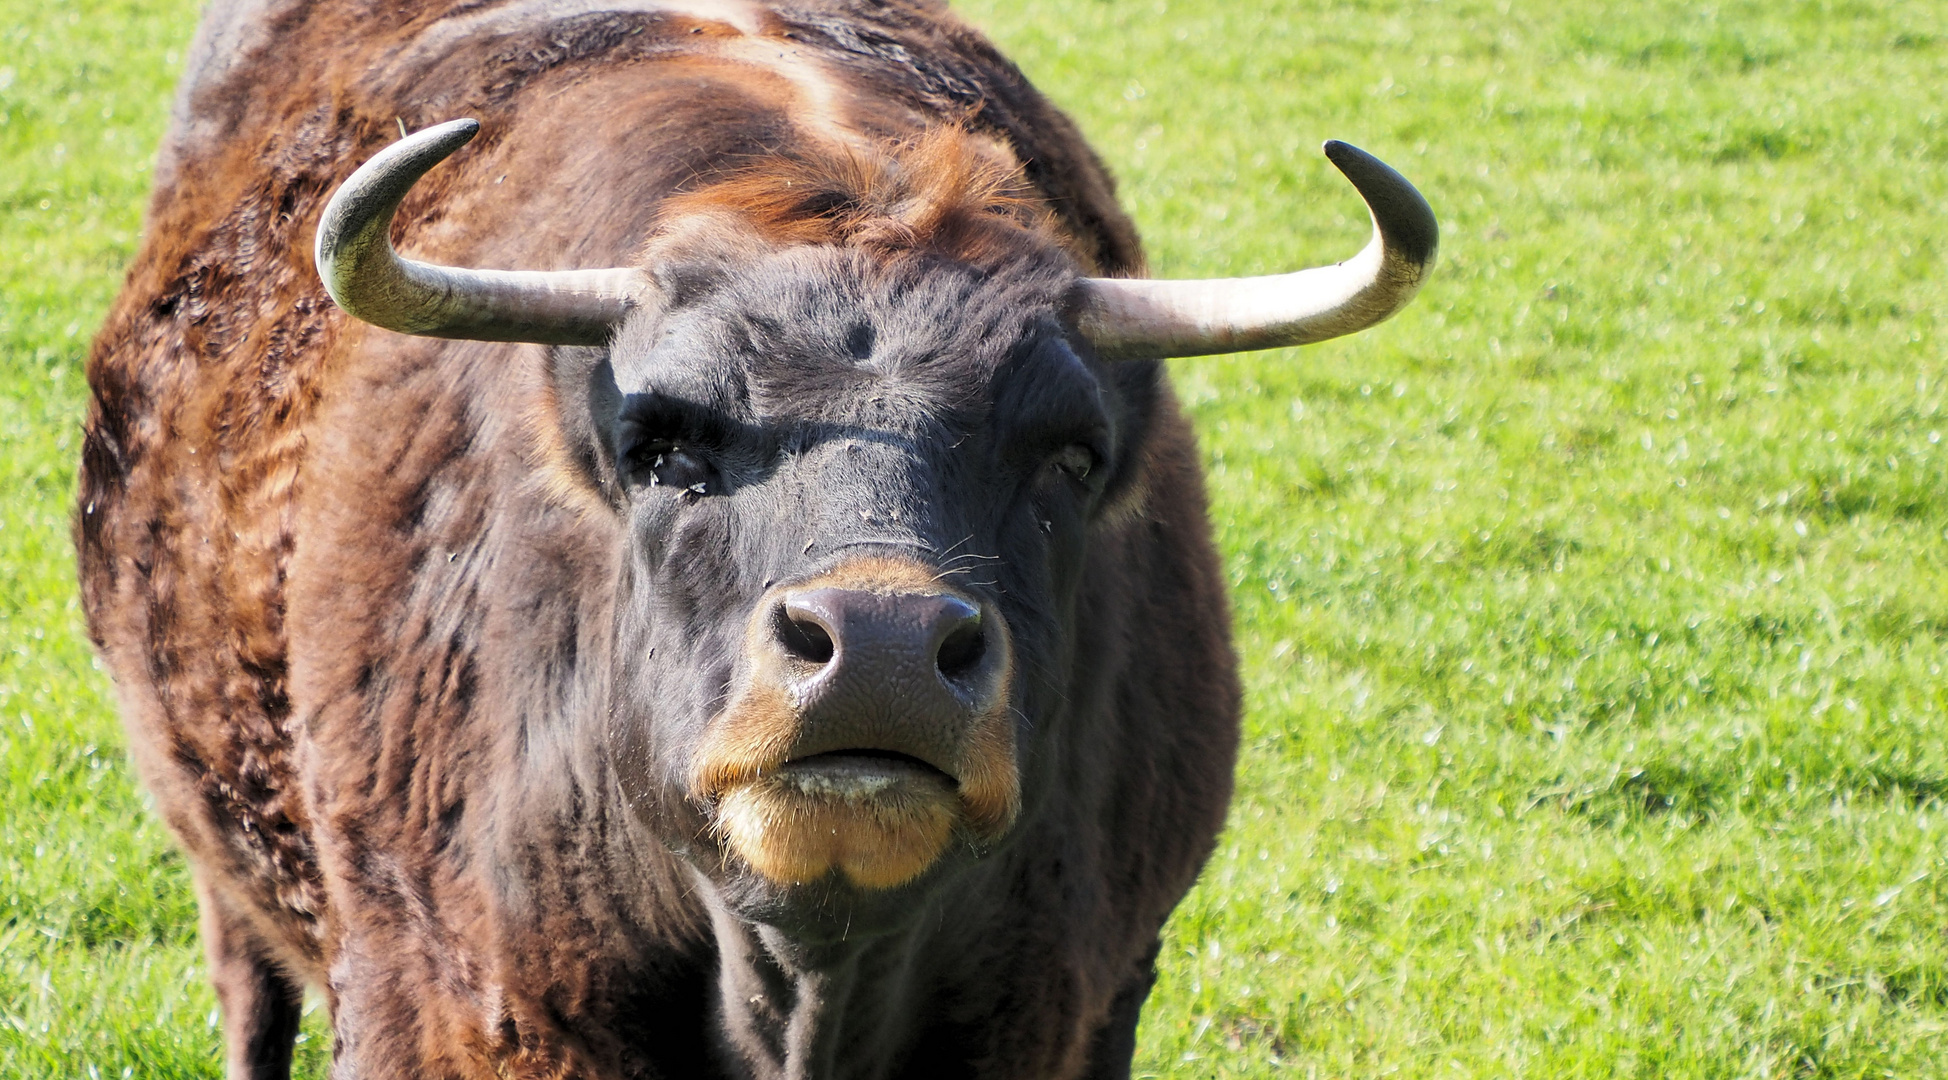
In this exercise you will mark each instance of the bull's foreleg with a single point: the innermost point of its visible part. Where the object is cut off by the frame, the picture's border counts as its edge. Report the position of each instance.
(1115, 1042)
(262, 1006)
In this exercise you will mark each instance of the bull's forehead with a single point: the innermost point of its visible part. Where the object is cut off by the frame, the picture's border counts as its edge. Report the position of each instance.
(832, 337)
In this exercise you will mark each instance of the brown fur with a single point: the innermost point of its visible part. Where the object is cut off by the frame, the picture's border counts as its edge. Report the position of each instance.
(945, 190)
(337, 582)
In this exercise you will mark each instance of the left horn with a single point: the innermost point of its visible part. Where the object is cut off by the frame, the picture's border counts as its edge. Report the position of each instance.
(369, 280)
(1137, 319)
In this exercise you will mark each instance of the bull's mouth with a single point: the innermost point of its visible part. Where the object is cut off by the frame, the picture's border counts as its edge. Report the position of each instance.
(859, 774)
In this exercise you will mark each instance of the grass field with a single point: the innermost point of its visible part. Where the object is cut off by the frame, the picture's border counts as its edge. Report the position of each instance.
(1593, 612)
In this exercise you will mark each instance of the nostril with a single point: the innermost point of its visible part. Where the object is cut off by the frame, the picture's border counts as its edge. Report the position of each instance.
(802, 638)
(963, 648)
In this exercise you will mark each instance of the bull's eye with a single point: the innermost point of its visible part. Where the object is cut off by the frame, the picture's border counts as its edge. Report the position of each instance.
(672, 465)
(1075, 459)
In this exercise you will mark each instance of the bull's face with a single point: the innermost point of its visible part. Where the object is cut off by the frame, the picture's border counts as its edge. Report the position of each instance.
(858, 489)
(858, 496)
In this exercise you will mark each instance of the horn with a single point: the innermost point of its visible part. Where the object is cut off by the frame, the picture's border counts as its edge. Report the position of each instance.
(370, 281)
(1133, 319)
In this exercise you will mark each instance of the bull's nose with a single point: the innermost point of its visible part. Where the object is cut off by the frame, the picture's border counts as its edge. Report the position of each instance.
(859, 643)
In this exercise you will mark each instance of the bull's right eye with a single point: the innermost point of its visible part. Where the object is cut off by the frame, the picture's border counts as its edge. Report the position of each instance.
(675, 466)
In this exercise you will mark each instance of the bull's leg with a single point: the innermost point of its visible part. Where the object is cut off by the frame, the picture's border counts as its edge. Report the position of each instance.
(262, 1006)
(1115, 1042)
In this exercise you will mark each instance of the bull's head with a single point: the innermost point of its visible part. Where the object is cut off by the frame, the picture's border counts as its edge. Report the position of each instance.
(859, 491)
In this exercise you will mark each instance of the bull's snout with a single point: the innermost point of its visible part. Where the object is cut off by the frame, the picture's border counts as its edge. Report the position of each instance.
(871, 725)
(902, 673)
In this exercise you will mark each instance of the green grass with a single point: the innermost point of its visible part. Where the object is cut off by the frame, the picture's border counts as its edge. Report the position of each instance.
(1593, 612)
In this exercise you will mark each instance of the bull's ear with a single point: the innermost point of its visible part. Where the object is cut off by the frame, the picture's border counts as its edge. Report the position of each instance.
(587, 407)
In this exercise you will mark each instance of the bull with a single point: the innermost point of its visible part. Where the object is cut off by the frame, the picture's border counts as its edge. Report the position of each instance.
(767, 628)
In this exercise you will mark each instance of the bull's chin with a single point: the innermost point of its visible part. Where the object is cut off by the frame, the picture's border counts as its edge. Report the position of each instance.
(875, 822)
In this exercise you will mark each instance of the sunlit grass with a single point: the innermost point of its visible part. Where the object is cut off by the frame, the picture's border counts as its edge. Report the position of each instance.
(1593, 611)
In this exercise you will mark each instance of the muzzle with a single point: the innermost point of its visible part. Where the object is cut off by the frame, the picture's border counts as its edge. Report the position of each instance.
(869, 729)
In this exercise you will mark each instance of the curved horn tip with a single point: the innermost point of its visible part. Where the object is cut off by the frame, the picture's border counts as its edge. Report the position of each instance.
(367, 198)
(1399, 209)
(450, 135)
(414, 155)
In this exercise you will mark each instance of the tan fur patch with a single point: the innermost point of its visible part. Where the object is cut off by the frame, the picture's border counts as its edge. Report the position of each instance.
(990, 782)
(879, 574)
(749, 738)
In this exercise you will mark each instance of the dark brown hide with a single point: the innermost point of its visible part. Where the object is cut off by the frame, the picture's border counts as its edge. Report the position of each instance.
(348, 582)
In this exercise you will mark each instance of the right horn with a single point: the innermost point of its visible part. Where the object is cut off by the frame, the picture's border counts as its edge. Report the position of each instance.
(369, 280)
(1142, 319)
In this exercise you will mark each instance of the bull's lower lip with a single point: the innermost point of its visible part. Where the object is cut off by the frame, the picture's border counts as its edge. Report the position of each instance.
(875, 818)
(853, 774)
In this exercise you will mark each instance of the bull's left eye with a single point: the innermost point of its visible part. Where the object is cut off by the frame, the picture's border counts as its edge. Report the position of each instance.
(1076, 459)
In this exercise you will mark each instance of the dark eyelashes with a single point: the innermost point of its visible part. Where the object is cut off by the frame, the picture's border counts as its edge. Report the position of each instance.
(647, 418)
